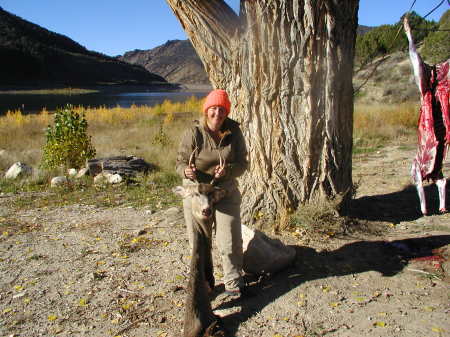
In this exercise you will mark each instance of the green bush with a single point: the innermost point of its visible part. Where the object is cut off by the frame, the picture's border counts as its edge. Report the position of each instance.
(67, 143)
(386, 39)
(436, 48)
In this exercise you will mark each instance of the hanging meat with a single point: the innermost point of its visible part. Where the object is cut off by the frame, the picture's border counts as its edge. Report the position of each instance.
(434, 123)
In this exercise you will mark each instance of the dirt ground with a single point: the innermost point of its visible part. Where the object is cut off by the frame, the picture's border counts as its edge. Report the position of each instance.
(82, 270)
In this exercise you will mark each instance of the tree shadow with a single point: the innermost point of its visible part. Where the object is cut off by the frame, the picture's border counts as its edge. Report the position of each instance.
(396, 207)
(387, 258)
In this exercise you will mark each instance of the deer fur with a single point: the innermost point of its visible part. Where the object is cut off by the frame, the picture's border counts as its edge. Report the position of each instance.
(199, 320)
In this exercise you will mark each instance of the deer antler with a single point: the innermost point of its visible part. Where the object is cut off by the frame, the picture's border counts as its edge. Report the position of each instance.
(222, 162)
(192, 156)
(221, 159)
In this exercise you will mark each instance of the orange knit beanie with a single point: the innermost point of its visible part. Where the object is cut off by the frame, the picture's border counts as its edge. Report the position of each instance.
(217, 97)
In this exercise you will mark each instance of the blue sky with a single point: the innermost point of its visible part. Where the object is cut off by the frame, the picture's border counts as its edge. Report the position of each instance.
(113, 27)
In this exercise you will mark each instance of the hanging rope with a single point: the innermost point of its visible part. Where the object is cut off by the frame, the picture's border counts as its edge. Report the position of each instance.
(448, 1)
(436, 30)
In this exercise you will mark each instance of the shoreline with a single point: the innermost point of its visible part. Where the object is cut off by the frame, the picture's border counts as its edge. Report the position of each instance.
(69, 90)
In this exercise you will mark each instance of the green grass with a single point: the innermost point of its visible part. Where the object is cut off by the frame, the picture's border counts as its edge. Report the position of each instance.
(153, 191)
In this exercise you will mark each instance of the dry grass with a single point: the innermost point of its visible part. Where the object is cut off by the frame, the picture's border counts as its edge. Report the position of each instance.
(153, 133)
(375, 125)
(114, 131)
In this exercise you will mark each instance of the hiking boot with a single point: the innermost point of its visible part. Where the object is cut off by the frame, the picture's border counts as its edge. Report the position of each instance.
(233, 294)
(237, 293)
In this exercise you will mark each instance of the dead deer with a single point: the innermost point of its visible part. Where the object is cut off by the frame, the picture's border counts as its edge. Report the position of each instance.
(199, 320)
(434, 122)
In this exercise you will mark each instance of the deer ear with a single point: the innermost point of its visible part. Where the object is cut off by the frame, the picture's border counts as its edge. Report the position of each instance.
(218, 194)
(181, 191)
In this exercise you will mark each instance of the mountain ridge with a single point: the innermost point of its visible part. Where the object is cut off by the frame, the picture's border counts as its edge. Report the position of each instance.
(33, 55)
(177, 61)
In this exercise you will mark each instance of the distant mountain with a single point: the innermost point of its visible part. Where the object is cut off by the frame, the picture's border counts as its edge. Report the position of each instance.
(32, 55)
(177, 61)
(361, 30)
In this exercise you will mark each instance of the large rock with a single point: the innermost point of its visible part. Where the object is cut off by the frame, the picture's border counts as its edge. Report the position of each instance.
(82, 172)
(72, 172)
(264, 255)
(107, 178)
(17, 170)
(58, 181)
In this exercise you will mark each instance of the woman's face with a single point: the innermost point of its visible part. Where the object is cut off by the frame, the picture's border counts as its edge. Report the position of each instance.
(215, 115)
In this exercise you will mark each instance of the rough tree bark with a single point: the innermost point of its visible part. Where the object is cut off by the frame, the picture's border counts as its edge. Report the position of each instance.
(287, 66)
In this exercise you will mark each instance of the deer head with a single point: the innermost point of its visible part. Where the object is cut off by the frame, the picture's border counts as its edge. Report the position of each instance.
(204, 196)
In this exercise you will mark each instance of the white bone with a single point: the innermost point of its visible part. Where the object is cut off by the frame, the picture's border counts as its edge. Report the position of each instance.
(441, 188)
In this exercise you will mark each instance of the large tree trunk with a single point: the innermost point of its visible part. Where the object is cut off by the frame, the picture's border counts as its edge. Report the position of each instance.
(287, 66)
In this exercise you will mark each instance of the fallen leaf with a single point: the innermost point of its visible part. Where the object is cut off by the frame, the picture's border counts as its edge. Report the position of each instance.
(380, 324)
(438, 330)
(126, 306)
(326, 289)
(376, 294)
(179, 277)
(52, 318)
(82, 302)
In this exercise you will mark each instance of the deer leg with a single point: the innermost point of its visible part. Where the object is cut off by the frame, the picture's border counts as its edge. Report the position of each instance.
(417, 178)
(188, 220)
(441, 188)
(421, 193)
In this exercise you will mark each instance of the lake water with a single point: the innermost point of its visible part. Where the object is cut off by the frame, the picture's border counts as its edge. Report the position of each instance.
(35, 103)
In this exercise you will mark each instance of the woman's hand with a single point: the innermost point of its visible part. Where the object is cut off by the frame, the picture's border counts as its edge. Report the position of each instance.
(189, 172)
(219, 171)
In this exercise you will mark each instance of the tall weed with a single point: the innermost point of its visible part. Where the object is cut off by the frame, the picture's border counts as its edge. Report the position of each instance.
(375, 125)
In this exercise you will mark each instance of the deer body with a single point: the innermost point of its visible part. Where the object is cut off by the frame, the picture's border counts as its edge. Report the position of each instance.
(199, 318)
(434, 123)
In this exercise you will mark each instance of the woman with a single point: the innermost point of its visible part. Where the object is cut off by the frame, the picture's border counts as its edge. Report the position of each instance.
(213, 150)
